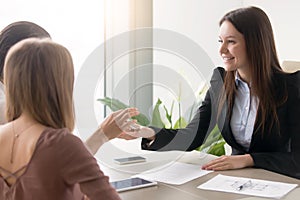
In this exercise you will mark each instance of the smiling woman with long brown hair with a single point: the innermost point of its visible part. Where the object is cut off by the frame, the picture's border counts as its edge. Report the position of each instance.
(254, 103)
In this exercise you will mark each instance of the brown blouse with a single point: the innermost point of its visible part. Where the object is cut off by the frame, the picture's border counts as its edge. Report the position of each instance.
(61, 168)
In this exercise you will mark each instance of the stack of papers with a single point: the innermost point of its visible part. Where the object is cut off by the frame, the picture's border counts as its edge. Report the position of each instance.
(176, 173)
(248, 186)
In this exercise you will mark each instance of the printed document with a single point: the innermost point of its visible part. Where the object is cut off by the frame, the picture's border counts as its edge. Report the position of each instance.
(176, 173)
(247, 186)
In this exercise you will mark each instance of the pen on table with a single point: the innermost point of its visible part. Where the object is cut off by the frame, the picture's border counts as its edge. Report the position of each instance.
(245, 185)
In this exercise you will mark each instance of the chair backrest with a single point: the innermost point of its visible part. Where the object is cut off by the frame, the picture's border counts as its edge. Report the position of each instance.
(290, 66)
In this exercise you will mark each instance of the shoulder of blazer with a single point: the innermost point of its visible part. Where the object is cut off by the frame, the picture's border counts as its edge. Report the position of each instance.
(293, 83)
(293, 79)
(218, 74)
(288, 78)
(216, 83)
(289, 82)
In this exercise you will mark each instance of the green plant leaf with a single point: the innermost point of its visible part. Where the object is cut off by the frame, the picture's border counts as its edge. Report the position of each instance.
(115, 105)
(217, 149)
(142, 119)
(156, 119)
(168, 116)
(214, 143)
(214, 136)
(180, 123)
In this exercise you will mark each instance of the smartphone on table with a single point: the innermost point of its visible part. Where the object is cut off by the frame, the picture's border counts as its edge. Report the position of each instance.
(132, 183)
(129, 160)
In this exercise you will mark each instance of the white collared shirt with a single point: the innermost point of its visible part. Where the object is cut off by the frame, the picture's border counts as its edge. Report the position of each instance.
(243, 113)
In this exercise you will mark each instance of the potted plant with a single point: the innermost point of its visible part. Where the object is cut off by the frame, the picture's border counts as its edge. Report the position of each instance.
(161, 116)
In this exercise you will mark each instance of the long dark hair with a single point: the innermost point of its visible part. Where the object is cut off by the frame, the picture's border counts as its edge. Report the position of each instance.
(16, 32)
(255, 26)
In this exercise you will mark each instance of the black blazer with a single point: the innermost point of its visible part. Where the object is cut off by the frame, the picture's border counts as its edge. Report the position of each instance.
(278, 151)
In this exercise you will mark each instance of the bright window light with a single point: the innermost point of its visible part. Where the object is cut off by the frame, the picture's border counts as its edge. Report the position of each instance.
(78, 25)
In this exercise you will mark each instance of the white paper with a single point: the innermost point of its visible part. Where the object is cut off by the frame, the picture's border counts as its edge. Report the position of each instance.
(176, 173)
(247, 186)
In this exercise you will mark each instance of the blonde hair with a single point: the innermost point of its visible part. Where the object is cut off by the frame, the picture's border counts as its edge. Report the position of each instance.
(39, 78)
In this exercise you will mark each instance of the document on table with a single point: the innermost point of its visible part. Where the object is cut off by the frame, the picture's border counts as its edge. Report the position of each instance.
(248, 186)
(176, 173)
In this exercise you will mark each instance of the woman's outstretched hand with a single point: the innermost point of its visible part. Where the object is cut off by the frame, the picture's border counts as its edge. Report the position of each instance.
(118, 122)
(137, 131)
(112, 126)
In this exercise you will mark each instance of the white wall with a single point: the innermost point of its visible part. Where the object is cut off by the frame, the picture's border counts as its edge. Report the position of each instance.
(78, 25)
(284, 16)
(198, 19)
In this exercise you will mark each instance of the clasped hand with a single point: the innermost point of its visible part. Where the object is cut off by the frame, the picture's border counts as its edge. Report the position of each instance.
(135, 130)
(118, 122)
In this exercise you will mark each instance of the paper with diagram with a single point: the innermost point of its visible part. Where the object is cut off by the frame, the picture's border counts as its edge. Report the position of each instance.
(247, 186)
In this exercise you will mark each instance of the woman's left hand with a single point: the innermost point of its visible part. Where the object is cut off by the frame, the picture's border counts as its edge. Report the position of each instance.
(229, 162)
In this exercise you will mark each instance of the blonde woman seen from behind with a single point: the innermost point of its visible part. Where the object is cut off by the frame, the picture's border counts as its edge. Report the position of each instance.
(39, 157)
